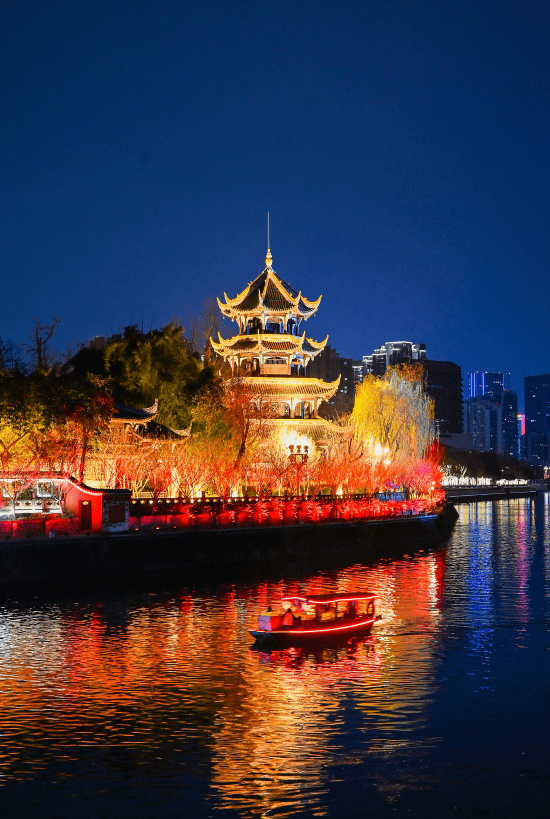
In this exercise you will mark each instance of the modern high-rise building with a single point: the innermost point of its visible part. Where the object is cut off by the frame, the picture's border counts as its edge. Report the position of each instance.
(491, 422)
(484, 423)
(392, 353)
(480, 383)
(510, 441)
(358, 372)
(521, 436)
(537, 403)
(444, 385)
(537, 419)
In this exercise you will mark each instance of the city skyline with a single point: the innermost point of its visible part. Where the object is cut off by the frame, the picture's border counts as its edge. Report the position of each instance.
(401, 153)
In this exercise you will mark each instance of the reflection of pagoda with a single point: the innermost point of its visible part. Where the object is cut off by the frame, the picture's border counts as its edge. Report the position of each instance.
(270, 354)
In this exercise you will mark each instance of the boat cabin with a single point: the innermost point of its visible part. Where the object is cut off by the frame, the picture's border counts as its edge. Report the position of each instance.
(325, 608)
(317, 613)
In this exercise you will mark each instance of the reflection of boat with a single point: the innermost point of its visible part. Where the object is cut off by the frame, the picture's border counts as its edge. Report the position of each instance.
(316, 618)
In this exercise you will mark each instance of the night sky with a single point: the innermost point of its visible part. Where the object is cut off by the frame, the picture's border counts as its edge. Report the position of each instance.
(401, 148)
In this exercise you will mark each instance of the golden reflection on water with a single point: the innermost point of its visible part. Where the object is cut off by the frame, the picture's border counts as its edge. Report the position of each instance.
(281, 730)
(172, 673)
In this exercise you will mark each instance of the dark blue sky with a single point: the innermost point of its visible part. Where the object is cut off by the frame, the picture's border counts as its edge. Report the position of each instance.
(401, 148)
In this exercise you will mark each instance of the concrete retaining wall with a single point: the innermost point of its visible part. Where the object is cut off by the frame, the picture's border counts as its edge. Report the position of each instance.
(177, 554)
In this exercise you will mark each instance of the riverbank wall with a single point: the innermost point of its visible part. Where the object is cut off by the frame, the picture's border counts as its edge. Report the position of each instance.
(472, 494)
(183, 555)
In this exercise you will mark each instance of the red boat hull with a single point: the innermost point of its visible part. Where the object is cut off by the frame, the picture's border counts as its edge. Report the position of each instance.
(294, 635)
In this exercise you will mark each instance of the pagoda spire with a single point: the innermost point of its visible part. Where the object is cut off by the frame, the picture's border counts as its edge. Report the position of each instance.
(269, 257)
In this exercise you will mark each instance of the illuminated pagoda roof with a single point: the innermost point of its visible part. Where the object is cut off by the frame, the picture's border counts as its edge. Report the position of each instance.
(319, 430)
(269, 343)
(268, 293)
(269, 355)
(298, 387)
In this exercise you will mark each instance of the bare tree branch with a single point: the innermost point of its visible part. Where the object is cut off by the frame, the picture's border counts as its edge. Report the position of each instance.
(38, 347)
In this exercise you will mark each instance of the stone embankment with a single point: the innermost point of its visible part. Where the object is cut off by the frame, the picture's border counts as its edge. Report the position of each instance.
(182, 555)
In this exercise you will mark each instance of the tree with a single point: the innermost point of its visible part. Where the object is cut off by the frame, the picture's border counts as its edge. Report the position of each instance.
(231, 411)
(48, 421)
(88, 361)
(142, 367)
(38, 347)
(119, 461)
(10, 358)
(203, 328)
(393, 416)
(191, 464)
(84, 410)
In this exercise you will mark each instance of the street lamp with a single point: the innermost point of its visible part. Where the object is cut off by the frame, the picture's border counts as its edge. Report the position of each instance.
(299, 458)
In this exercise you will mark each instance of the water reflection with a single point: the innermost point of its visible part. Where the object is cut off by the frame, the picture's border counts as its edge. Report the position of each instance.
(172, 672)
(160, 690)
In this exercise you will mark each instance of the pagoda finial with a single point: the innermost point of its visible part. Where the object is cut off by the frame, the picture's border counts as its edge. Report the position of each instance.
(269, 257)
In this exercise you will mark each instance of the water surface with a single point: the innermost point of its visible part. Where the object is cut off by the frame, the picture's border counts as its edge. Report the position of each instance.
(156, 704)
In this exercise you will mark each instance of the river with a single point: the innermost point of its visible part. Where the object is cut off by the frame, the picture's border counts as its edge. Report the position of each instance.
(153, 703)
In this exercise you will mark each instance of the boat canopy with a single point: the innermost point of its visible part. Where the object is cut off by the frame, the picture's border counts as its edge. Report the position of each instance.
(318, 599)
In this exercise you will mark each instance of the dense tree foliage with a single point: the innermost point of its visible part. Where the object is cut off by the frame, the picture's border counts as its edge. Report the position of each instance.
(142, 367)
(393, 415)
(228, 411)
(48, 420)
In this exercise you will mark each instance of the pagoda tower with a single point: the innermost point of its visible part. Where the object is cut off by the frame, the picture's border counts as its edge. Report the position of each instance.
(270, 353)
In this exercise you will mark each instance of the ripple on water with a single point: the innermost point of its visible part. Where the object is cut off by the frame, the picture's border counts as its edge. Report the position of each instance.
(163, 694)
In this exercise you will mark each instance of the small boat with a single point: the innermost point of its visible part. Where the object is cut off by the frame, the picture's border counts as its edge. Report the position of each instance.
(316, 618)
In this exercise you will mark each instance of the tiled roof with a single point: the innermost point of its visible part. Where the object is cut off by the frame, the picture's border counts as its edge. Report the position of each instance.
(160, 432)
(275, 294)
(318, 429)
(251, 300)
(274, 300)
(268, 342)
(135, 414)
(304, 309)
(282, 385)
(290, 289)
(240, 343)
(283, 345)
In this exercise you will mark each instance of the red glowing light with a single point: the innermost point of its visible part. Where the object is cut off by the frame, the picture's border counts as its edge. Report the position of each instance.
(313, 632)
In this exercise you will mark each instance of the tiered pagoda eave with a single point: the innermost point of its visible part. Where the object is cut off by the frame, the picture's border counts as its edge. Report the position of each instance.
(270, 354)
